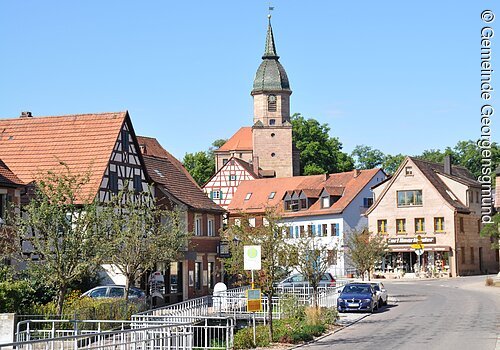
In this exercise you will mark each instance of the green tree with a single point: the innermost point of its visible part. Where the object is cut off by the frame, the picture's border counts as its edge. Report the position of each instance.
(277, 254)
(365, 250)
(367, 157)
(62, 227)
(201, 165)
(319, 152)
(312, 262)
(141, 234)
(493, 230)
(391, 163)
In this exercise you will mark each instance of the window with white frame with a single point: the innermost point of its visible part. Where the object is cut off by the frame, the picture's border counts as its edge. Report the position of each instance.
(251, 222)
(210, 227)
(197, 225)
(216, 194)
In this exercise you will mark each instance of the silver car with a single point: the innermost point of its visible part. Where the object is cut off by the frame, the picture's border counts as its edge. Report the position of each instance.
(381, 292)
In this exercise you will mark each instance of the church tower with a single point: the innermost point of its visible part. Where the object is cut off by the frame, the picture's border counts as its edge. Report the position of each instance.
(273, 148)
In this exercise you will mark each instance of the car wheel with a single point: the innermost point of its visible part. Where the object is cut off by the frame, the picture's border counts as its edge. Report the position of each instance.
(379, 304)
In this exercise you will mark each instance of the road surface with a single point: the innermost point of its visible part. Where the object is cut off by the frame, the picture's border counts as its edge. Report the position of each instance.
(458, 313)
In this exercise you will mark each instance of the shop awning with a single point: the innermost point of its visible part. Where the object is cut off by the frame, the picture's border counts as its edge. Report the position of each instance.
(427, 248)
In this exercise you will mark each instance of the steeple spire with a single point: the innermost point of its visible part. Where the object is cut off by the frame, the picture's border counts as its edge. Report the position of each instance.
(270, 51)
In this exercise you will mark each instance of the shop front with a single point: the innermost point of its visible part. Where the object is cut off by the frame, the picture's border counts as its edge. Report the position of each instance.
(433, 260)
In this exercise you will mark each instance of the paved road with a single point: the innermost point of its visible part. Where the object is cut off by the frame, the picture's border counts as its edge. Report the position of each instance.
(441, 314)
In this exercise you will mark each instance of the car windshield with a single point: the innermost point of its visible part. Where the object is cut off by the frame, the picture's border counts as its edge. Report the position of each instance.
(356, 289)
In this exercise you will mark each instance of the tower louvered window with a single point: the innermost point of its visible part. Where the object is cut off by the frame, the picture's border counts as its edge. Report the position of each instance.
(271, 103)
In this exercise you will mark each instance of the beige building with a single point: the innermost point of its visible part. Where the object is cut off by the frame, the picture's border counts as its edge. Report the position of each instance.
(267, 144)
(440, 203)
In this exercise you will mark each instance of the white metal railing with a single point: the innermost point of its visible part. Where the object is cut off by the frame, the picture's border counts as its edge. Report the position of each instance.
(161, 337)
(210, 333)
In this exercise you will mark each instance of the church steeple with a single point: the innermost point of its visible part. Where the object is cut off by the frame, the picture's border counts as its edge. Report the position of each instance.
(272, 130)
(270, 51)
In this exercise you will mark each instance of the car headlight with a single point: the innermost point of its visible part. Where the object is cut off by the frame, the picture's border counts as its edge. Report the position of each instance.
(340, 299)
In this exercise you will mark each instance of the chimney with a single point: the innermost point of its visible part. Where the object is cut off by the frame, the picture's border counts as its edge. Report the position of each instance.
(327, 176)
(25, 115)
(356, 173)
(255, 163)
(447, 164)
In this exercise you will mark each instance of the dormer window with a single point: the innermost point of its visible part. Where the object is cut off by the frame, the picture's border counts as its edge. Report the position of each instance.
(325, 202)
(271, 195)
(272, 121)
(291, 205)
(271, 103)
(408, 171)
(247, 197)
(303, 203)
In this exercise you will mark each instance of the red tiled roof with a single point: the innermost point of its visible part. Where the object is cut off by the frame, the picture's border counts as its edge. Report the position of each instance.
(261, 188)
(165, 172)
(240, 141)
(7, 177)
(31, 146)
(151, 147)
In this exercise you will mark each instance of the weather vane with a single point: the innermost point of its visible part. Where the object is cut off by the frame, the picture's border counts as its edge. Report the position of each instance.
(271, 8)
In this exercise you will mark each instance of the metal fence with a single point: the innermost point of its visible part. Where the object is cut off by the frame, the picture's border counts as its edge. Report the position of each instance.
(150, 338)
(151, 332)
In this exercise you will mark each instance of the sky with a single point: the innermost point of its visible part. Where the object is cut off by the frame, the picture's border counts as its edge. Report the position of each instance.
(399, 76)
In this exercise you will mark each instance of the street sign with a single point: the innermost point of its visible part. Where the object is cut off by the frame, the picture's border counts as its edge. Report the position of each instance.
(254, 300)
(419, 252)
(417, 246)
(251, 257)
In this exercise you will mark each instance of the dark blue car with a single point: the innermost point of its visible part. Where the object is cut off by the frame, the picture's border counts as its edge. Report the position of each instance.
(357, 297)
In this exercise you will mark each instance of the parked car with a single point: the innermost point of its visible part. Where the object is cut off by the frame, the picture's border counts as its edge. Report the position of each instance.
(115, 291)
(298, 281)
(357, 297)
(382, 295)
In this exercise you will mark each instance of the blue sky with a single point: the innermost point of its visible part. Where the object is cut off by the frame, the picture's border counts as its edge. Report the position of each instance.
(399, 76)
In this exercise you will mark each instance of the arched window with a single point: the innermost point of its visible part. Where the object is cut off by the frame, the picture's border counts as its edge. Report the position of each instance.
(271, 103)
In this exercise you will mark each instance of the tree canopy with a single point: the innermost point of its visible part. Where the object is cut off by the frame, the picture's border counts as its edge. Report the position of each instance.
(201, 165)
(365, 250)
(319, 152)
(140, 234)
(277, 255)
(62, 229)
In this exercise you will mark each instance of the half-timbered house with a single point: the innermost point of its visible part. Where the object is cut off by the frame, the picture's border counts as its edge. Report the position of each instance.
(102, 145)
(223, 184)
(199, 270)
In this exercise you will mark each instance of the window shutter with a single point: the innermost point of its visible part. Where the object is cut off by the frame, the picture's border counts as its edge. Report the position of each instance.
(336, 229)
(220, 194)
(296, 231)
(319, 233)
(291, 231)
(313, 228)
(211, 194)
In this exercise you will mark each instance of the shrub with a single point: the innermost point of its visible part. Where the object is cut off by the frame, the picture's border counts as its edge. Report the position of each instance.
(329, 316)
(15, 296)
(76, 307)
(292, 309)
(243, 339)
(489, 282)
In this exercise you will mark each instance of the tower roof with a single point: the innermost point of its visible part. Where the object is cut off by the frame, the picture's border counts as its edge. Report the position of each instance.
(271, 75)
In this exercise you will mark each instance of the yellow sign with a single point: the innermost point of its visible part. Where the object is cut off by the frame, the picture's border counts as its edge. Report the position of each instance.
(419, 240)
(417, 246)
(254, 300)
